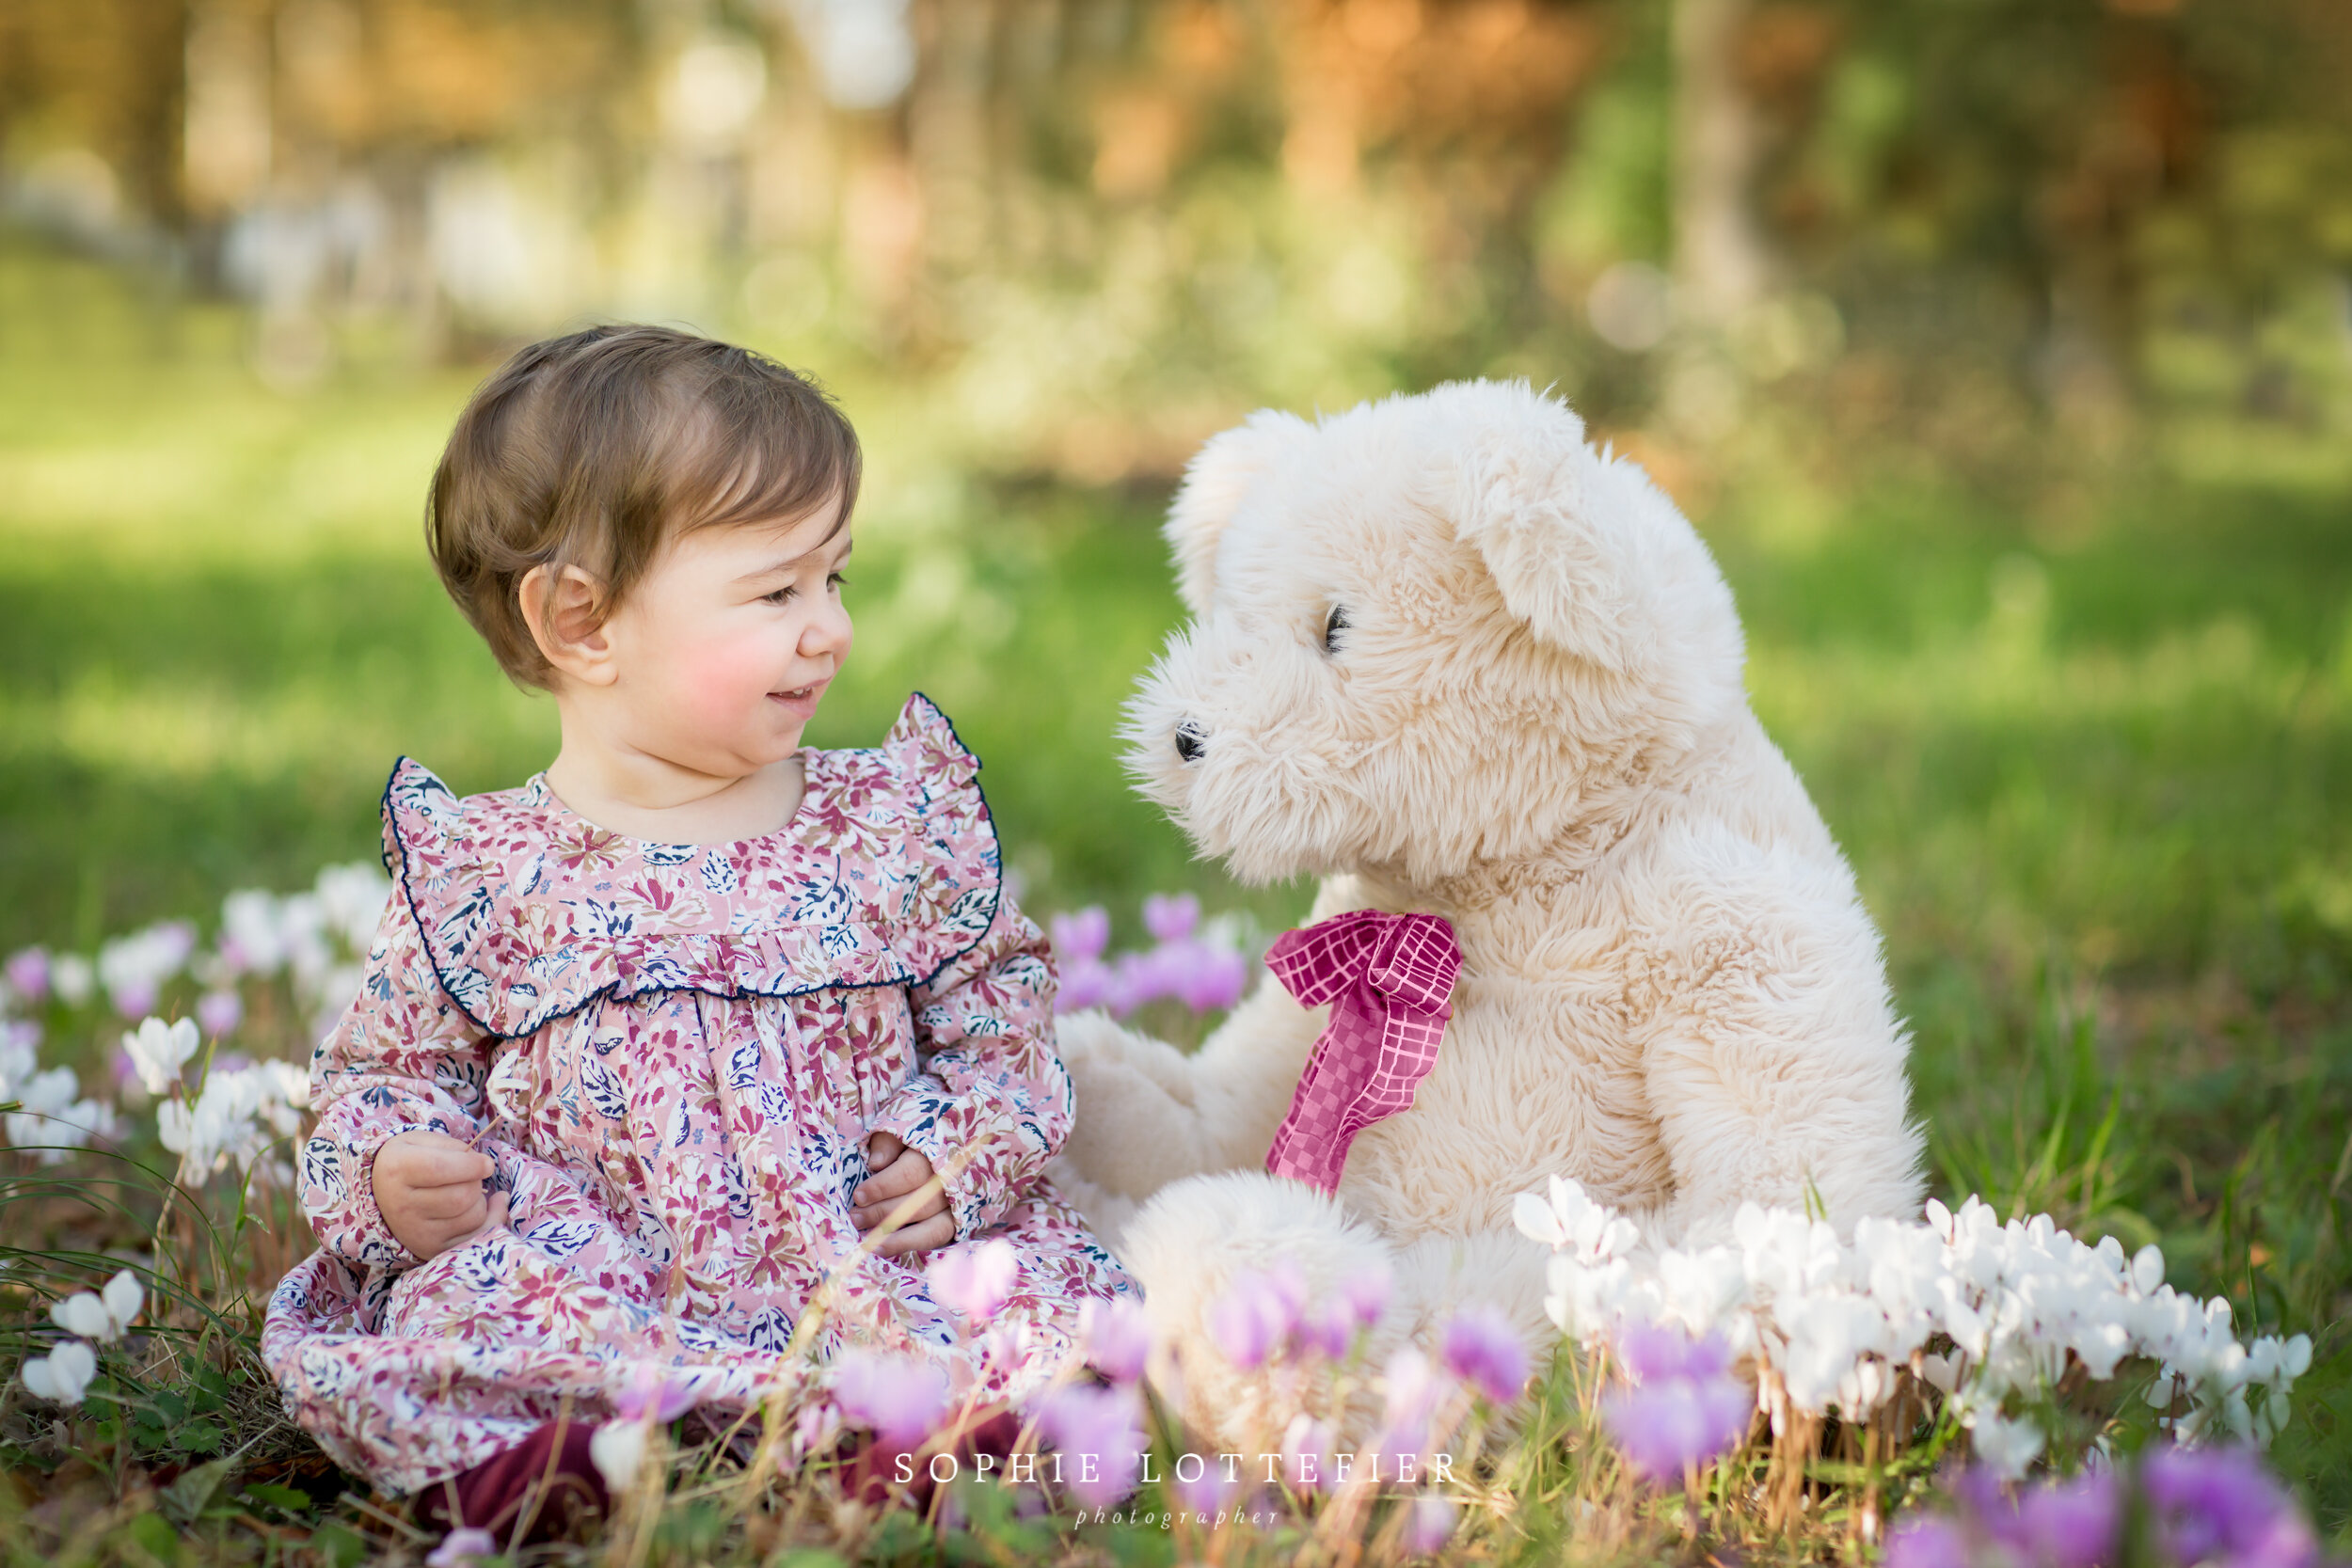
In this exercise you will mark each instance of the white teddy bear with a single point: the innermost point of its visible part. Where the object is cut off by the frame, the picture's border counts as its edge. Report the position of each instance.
(1452, 660)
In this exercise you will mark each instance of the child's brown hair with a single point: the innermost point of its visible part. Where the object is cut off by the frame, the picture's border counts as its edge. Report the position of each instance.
(592, 450)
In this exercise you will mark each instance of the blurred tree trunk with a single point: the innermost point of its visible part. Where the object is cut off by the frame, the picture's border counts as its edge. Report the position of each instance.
(1719, 257)
(151, 135)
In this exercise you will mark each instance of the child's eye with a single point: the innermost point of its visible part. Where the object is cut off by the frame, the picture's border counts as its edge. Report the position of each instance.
(778, 596)
(837, 580)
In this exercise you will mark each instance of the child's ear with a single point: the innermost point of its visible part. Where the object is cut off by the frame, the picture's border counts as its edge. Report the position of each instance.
(1215, 482)
(564, 606)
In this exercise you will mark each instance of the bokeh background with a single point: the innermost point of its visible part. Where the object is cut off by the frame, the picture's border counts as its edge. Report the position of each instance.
(2002, 348)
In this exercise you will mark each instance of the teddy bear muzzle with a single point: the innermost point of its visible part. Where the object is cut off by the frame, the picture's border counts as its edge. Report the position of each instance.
(1192, 739)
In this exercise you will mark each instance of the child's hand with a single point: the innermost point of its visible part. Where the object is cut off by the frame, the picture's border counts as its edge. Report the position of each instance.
(899, 1171)
(428, 1187)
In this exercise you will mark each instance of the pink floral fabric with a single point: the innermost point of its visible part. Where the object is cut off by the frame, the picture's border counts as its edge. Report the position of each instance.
(674, 1054)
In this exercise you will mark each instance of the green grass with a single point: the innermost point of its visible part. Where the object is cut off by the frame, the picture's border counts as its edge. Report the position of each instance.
(2093, 793)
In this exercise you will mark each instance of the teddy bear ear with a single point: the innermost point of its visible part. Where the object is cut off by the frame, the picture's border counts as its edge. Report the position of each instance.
(1215, 482)
(1541, 509)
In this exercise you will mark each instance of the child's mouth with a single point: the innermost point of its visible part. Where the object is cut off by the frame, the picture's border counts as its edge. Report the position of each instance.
(801, 696)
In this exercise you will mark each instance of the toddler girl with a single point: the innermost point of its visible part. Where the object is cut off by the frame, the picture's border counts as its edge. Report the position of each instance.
(656, 1049)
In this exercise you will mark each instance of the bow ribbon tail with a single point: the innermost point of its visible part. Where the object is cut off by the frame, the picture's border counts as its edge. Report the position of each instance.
(1389, 981)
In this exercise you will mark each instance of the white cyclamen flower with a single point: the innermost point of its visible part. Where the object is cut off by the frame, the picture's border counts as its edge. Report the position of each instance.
(18, 1043)
(251, 942)
(351, 901)
(101, 1315)
(1829, 1322)
(2004, 1446)
(48, 1094)
(61, 1376)
(1702, 1288)
(302, 928)
(221, 1125)
(71, 976)
(158, 1051)
(52, 1121)
(617, 1449)
(133, 967)
(1571, 1221)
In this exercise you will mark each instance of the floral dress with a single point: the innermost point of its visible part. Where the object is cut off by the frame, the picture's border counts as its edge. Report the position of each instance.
(674, 1054)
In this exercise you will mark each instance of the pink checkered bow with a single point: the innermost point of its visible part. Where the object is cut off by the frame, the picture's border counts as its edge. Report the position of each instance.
(1390, 980)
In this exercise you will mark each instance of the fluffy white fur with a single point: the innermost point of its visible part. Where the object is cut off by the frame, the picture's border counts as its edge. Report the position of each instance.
(1532, 725)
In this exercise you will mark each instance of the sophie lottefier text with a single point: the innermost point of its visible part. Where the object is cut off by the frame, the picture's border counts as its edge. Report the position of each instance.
(1310, 1470)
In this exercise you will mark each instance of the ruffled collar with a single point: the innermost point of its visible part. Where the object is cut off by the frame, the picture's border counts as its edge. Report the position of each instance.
(888, 872)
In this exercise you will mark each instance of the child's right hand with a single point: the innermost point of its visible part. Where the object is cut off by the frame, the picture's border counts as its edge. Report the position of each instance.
(428, 1187)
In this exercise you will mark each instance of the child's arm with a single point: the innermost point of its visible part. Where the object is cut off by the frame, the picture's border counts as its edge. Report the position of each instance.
(991, 1102)
(403, 1058)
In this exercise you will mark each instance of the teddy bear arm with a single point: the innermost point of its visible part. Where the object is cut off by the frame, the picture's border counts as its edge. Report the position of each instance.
(1136, 1127)
(1247, 1071)
(1773, 1062)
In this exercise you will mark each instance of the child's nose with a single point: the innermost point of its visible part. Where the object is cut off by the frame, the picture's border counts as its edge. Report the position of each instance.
(828, 632)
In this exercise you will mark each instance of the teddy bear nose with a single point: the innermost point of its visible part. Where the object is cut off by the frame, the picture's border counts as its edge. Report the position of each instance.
(1191, 741)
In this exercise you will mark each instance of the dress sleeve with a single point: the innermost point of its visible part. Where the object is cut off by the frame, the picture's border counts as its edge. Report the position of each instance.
(991, 1102)
(403, 1058)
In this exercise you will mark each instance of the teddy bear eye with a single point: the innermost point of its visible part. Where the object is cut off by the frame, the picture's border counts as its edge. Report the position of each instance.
(1333, 627)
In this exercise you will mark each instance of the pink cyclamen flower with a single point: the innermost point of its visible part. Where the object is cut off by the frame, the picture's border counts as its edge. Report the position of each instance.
(1414, 1390)
(1211, 979)
(2068, 1524)
(28, 973)
(461, 1546)
(1485, 1351)
(1009, 1345)
(1117, 1339)
(818, 1427)
(2219, 1505)
(1329, 1328)
(1653, 1353)
(134, 999)
(1366, 1295)
(1926, 1541)
(663, 1399)
(1088, 983)
(1141, 977)
(1256, 1316)
(1203, 1487)
(1081, 936)
(1099, 1434)
(898, 1399)
(1308, 1446)
(1662, 1426)
(1244, 1324)
(1171, 918)
(219, 1012)
(1430, 1525)
(977, 1281)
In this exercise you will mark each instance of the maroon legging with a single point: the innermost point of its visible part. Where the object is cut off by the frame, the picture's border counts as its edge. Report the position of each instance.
(495, 1494)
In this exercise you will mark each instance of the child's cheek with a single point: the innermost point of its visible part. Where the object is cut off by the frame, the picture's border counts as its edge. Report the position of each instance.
(722, 678)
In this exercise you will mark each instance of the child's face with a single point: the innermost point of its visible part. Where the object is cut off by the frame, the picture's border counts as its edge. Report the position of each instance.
(725, 646)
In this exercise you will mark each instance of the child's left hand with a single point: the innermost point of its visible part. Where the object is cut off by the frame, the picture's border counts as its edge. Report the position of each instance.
(897, 1172)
